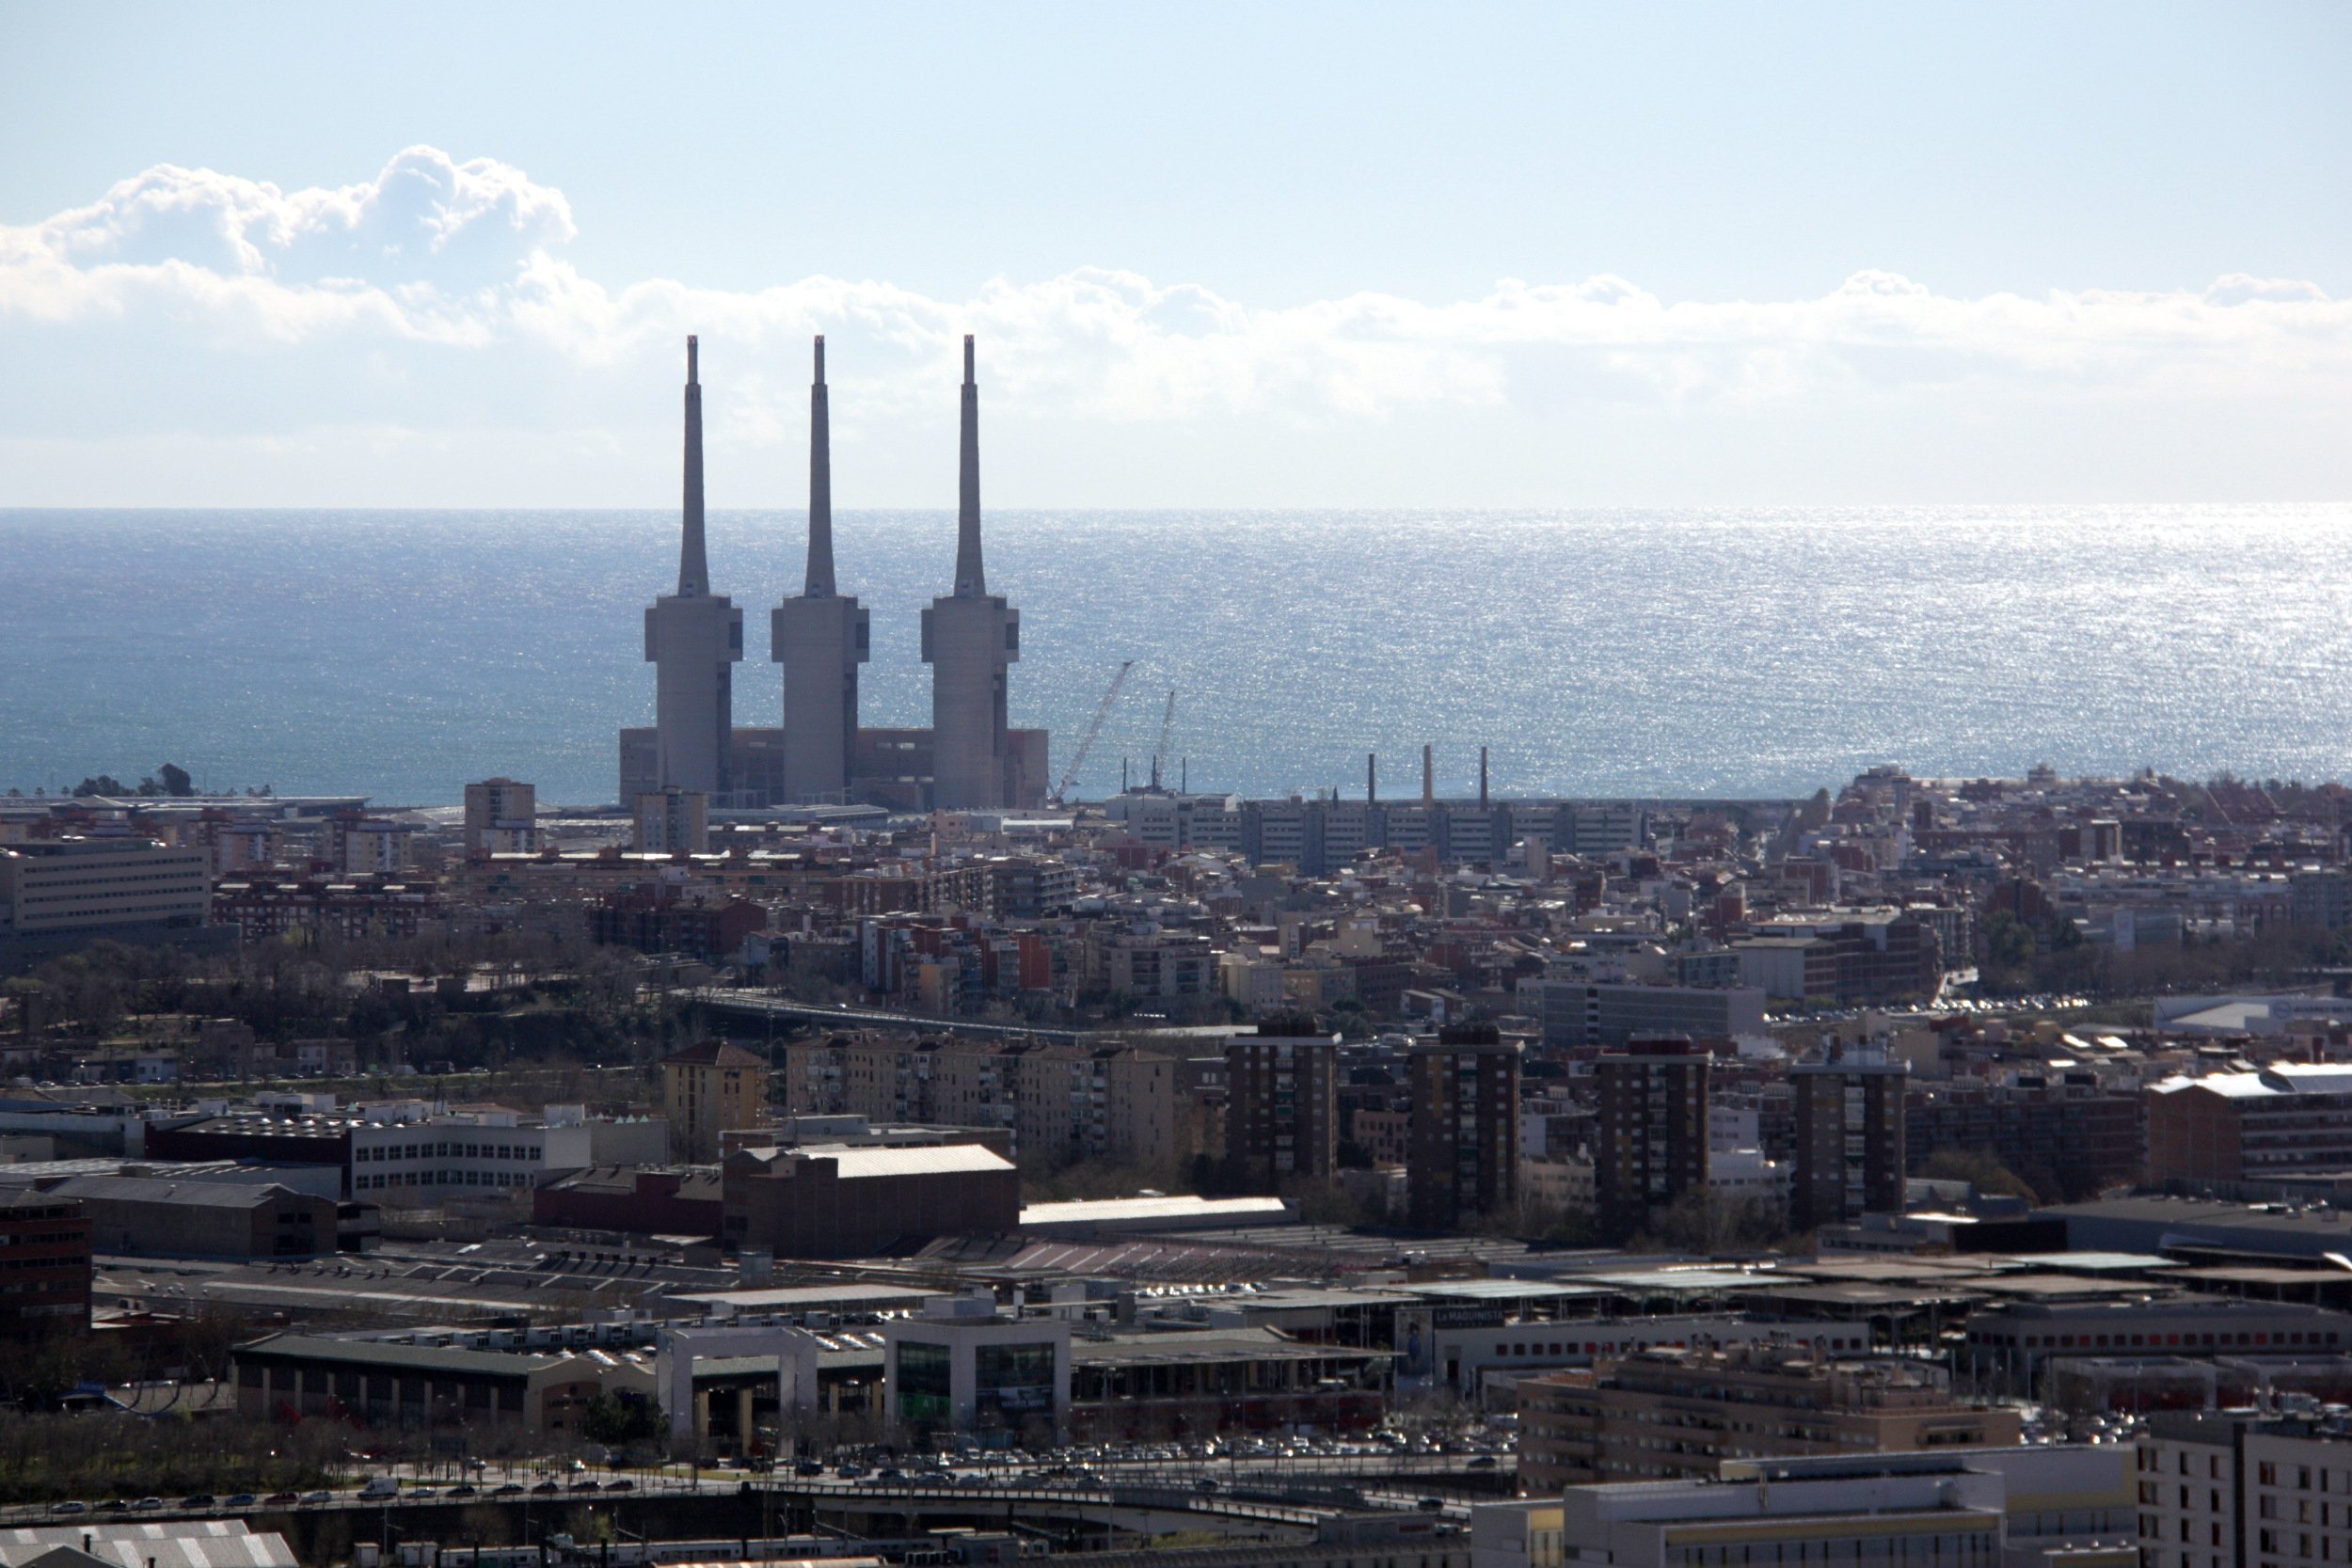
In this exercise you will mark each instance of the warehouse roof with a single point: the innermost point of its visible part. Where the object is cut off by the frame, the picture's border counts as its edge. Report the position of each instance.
(378, 1353)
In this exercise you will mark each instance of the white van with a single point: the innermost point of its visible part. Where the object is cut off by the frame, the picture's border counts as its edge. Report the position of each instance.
(381, 1487)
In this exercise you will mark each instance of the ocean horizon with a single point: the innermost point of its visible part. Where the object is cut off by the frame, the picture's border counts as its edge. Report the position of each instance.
(1675, 652)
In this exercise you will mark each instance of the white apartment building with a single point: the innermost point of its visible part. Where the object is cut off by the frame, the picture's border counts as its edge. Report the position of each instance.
(2239, 1489)
(70, 884)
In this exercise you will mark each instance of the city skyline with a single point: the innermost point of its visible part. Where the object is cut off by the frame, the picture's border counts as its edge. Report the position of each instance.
(1701, 260)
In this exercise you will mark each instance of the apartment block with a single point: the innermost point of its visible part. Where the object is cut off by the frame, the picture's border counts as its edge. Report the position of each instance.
(1464, 1149)
(1652, 1133)
(1281, 1115)
(1850, 1145)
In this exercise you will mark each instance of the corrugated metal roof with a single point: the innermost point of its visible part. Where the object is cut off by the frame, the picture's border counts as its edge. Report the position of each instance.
(169, 1543)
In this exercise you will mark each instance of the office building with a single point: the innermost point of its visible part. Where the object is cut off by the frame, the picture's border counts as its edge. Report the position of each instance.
(2290, 1119)
(1651, 1132)
(501, 817)
(820, 638)
(1463, 1156)
(396, 1386)
(1281, 1104)
(1579, 1012)
(1850, 1149)
(1673, 1413)
(45, 1242)
(709, 1089)
(964, 1367)
(2047, 1507)
(97, 886)
(970, 640)
(692, 637)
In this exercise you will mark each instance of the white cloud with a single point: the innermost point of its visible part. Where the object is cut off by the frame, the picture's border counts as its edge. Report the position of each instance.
(437, 283)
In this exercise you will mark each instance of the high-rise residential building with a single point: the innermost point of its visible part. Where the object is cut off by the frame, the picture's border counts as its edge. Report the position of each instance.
(820, 638)
(707, 1089)
(970, 640)
(1651, 1133)
(1463, 1152)
(1850, 1152)
(693, 637)
(671, 821)
(1281, 1107)
(501, 817)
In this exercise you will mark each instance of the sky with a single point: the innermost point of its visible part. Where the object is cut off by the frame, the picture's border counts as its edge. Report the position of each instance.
(1243, 256)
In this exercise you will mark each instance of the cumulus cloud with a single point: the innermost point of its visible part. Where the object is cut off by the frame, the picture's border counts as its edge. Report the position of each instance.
(415, 273)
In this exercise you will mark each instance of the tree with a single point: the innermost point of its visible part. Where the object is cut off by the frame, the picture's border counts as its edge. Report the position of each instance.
(175, 779)
(617, 1420)
(104, 784)
(1979, 1169)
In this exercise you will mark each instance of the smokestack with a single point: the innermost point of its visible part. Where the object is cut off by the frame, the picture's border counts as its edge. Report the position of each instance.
(1428, 775)
(1481, 776)
(971, 579)
(819, 585)
(1371, 778)
(693, 567)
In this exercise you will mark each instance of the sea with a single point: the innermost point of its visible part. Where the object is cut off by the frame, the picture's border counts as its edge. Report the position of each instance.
(1626, 653)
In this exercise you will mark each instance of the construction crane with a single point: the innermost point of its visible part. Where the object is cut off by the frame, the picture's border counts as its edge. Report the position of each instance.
(1094, 727)
(1168, 729)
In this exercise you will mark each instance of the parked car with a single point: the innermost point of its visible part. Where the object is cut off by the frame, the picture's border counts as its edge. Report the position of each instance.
(507, 1489)
(624, 1484)
(68, 1507)
(465, 1491)
(585, 1483)
(280, 1500)
(149, 1502)
(321, 1495)
(546, 1489)
(241, 1499)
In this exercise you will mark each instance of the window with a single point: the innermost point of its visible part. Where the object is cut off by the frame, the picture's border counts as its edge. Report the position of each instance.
(923, 1381)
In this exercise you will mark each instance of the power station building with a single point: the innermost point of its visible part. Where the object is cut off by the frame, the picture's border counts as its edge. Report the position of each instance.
(971, 758)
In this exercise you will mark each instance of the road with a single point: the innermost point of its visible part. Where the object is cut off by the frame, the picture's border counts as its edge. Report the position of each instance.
(1256, 1477)
(759, 1003)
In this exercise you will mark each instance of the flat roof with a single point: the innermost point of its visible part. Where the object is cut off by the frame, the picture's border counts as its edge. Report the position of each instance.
(377, 1352)
(782, 1296)
(2092, 1262)
(2249, 1275)
(1498, 1289)
(854, 1162)
(1848, 1293)
(1236, 1344)
(1671, 1280)
(2055, 1285)
(1181, 1206)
